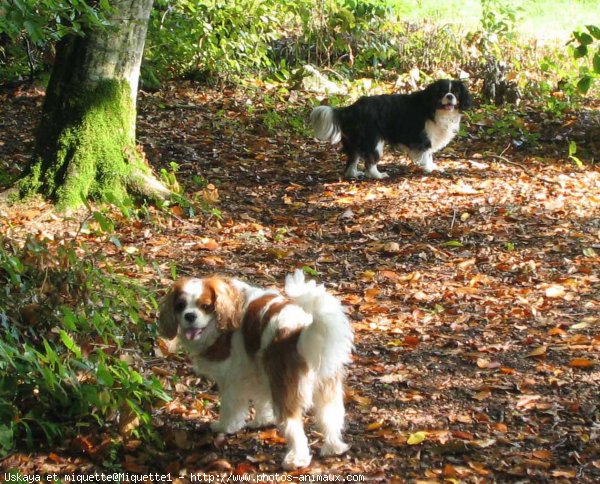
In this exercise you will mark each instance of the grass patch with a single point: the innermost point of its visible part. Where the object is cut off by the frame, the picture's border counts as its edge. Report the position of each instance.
(541, 19)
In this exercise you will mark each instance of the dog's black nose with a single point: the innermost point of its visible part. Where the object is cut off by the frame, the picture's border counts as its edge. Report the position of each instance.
(190, 317)
(450, 96)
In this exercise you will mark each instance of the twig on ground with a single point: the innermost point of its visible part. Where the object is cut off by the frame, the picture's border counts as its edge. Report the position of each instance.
(527, 172)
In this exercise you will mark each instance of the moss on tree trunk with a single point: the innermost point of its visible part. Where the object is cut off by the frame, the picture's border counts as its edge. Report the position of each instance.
(85, 145)
(92, 154)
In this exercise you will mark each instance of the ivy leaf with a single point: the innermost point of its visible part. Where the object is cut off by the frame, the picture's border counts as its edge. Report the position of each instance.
(585, 39)
(596, 62)
(594, 30)
(584, 84)
(580, 51)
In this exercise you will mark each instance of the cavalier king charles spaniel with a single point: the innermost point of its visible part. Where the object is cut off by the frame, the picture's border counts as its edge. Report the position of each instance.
(421, 123)
(282, 353)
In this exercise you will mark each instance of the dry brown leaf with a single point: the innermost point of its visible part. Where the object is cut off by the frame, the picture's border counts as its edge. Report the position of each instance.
(581, 363)
(567, 473)
(482, 395)
(271, 436)
(206, 244)
(410, 340)
(459, 434)
(539, 351)
(542, 454)
(466, 263)
(527, 401)
(479, 467)
(374, 425)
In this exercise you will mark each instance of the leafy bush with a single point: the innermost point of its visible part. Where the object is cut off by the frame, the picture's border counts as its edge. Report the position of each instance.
(29, 29)
(587, 46)
(351, 31)
(65, 326)
(210, 38)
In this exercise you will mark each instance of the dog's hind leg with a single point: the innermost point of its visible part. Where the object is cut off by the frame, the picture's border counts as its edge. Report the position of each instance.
(291, 383)
(351, 171)
(371, 167)
(298, 454)
(289, 408)
(329, 413)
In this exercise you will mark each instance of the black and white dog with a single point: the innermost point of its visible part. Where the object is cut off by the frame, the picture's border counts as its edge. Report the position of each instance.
(421, 122)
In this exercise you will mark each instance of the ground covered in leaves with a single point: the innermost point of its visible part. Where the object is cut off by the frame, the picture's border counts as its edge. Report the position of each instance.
(474, 294)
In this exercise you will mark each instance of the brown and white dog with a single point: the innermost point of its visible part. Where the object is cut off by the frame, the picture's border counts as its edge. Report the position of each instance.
(282, 353)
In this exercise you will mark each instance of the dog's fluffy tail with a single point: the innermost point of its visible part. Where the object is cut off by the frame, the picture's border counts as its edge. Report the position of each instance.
(327, 343)
(325, 124)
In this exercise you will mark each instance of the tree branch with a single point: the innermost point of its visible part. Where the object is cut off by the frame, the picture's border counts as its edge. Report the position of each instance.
(527, 172)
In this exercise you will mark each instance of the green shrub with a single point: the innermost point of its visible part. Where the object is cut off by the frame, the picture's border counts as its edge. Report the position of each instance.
(211, 39)
(66, 323)
(353, 32)
(29, 29)
(586, 46)
(205, 39)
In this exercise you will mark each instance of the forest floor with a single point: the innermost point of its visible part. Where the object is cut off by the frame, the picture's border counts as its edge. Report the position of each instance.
(474, 294)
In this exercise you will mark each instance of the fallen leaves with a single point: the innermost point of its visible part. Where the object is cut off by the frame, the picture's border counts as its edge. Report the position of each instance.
(473, 299)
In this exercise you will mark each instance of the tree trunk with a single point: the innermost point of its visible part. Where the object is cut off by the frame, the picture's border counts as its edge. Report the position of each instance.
(85, 145)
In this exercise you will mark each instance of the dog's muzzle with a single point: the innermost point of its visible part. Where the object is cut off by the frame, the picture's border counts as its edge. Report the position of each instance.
(449, 102)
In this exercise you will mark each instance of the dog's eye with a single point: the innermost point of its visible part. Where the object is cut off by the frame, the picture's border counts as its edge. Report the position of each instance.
(180, 306)
(206, 307)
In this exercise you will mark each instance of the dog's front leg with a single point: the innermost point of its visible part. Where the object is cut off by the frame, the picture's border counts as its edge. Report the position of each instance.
(425, 161)
(234, 410)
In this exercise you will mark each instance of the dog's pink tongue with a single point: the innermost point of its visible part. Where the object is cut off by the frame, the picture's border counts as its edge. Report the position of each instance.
(192, 334)
(449, 107)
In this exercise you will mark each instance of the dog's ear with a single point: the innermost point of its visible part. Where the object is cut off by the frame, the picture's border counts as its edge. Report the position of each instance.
(227, 304)
(465, 98)
(167, 324)
(431, 95)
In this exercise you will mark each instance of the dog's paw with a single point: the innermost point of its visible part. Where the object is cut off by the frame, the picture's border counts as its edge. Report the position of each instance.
(296, 460)
(431, 167)
(220, 427)
(373, 173)
(380, 176)
(354, 174)
(334, 448)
